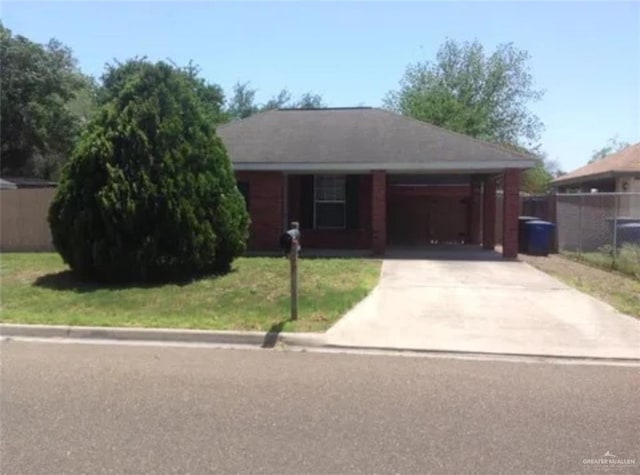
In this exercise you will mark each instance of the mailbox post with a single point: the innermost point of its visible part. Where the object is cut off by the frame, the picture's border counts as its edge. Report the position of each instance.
(293, 251)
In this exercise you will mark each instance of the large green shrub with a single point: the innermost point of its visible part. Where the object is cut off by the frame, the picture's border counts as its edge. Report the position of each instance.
(149, 193)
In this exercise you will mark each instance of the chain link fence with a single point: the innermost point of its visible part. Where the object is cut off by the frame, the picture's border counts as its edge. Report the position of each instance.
(597, 222)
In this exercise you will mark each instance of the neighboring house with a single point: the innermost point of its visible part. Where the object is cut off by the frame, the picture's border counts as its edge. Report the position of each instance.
(619, 172)
(594, 196)
(363, 178)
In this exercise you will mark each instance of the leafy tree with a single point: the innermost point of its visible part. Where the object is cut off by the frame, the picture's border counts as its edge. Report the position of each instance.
(39, 118)
(243, 101)
(309, 101)
(149, 193)
(469, 91)
(277, 102)
(537, 180)
(211, 95)
(84, 102)
(613, 145)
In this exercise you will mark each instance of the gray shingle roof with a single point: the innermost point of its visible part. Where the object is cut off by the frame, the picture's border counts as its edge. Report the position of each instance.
(356, 138)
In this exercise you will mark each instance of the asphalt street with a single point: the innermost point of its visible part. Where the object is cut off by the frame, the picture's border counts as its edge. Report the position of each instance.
(127, 409)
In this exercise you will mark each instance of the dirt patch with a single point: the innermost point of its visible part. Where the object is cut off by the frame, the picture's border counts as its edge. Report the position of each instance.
(620, 291)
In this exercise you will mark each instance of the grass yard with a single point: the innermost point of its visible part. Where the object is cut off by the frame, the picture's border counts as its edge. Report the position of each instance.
(38, 288)
(618, 289)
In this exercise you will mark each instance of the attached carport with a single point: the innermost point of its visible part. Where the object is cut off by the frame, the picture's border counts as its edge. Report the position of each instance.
(452, 208)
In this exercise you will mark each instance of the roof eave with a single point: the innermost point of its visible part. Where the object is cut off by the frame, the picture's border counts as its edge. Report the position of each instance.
(593, 177)
(492, 166)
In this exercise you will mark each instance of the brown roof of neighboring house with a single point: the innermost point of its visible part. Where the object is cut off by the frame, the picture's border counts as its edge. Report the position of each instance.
(623, 162)
(356, 138)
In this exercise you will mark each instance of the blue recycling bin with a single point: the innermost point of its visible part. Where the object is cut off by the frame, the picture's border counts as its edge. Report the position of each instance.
(617, 222)
(628, 233)
(539, 236)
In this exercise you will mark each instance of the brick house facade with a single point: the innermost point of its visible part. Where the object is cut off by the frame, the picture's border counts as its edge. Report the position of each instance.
(367, 179)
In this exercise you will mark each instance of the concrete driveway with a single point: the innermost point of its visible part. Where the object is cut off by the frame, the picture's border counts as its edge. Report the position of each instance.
(474, 301)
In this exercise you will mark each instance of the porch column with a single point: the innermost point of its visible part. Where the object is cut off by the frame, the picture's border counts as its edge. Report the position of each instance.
(378, 211)
(511, 209)
(474, 212)
(489, 214)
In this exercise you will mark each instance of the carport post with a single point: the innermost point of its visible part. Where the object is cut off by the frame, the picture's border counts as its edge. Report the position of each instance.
(489, 214)
(511, 209)
(615, 227)
(475, 210)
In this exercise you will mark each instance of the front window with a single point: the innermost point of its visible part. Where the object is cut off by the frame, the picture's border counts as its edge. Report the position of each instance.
(330, 200)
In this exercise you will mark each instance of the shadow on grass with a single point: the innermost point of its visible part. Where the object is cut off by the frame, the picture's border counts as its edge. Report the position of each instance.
(68, 281)
(271, 338)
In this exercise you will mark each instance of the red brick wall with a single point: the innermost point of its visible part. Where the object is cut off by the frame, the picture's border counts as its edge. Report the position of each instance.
(457, 191)
(265, 207)
(335, 239)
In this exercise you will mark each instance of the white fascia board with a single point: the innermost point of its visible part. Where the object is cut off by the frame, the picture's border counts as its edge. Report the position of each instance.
(458, 167)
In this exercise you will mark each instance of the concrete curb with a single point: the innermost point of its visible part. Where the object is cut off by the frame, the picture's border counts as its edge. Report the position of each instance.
(257, 339)
(253, 338)
(487, 354)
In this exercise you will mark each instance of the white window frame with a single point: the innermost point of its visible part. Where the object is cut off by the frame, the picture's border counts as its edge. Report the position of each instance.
(342, 201)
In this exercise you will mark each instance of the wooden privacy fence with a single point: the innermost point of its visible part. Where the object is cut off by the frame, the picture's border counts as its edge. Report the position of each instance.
(23, 219)
(541, 206)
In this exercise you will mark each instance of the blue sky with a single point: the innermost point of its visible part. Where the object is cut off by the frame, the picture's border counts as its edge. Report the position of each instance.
(585, 55)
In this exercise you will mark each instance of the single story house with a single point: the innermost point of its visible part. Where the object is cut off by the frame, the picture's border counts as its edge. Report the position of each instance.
(366, 179)
(619, 172)
(613, 184)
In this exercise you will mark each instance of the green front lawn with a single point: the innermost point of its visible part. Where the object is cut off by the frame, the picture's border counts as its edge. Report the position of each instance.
(616, 288)
(38, 288)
